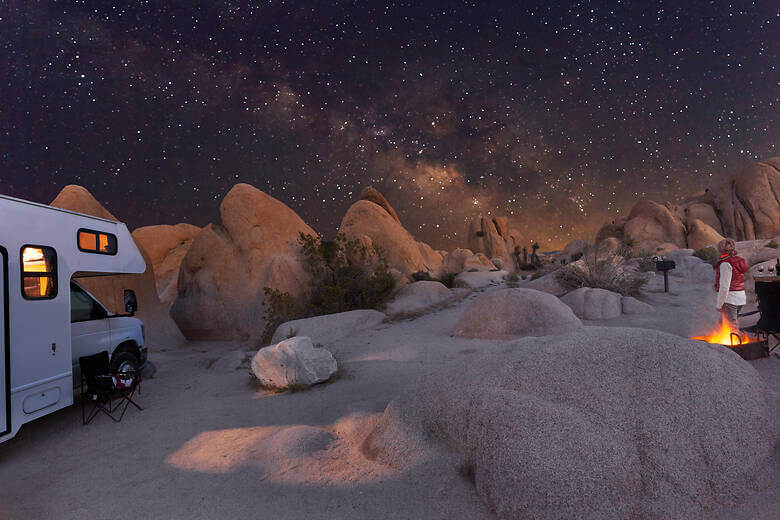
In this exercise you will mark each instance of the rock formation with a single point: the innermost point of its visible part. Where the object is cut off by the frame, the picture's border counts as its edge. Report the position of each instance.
(372, 220)
(222, 276)
(160, 329)
(463, 260)
(166, 247)
(701, 235)
(601, 424)
(492, 237)
(749, 202)
(744, 207)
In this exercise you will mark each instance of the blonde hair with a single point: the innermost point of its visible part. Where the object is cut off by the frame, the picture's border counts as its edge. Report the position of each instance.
(726, 246)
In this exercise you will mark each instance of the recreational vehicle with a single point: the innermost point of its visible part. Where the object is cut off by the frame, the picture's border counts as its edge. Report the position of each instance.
(48, 320)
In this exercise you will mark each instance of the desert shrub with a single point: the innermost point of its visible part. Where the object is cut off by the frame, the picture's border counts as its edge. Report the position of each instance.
(709, 254)
(448, 279)
(345, 275)
(537, 274)
(512, 278)
(646, 263)
(626, 246)
(772, 244)
(610, 273)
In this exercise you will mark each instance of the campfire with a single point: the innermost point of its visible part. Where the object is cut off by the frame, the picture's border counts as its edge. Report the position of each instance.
(724, 334)
(749, 347)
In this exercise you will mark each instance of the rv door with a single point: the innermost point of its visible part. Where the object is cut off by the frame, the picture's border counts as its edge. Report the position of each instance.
(5, 354)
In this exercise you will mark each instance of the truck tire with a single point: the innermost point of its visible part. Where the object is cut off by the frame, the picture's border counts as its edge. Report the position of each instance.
(124, 361)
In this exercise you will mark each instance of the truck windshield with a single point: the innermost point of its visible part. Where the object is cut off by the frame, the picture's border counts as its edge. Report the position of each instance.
(83, 307)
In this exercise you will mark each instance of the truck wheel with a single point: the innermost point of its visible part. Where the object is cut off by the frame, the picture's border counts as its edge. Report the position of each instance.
(124, 362)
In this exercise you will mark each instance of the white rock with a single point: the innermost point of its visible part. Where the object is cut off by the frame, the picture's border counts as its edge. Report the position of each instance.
(633, 306)
(329, 327)
(589, 303)
(477, 280)
(418, 296)
(293, 361)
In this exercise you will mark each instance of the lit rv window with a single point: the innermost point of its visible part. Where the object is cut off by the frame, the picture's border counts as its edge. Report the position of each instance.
(39, 272)
(91, 241)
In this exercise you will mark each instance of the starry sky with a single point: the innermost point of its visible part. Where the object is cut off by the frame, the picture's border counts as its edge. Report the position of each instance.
(559, 115)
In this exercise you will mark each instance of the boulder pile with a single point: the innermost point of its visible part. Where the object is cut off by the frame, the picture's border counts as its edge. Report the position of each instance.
(744, 207)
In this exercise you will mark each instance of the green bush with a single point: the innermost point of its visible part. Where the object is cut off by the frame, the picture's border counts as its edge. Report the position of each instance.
(772, 244)
(345, 275)
(709, 254)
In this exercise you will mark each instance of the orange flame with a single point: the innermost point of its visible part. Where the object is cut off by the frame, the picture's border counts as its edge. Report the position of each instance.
(725, 335)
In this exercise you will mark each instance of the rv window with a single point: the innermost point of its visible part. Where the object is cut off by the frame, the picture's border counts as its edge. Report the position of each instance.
(90, 241)
(39, 272)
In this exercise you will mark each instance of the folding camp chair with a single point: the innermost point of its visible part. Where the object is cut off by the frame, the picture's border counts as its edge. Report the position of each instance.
(107, 391)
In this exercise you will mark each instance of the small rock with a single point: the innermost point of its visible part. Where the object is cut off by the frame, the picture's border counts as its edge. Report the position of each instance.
(293, 362)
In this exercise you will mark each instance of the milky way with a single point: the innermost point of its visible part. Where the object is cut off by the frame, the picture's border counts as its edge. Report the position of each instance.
(557, 114)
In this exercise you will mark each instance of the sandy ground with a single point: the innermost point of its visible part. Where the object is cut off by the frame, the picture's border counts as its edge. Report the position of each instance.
(210, 444)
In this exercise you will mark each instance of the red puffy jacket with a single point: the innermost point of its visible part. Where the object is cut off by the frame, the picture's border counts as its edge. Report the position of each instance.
(738, 269)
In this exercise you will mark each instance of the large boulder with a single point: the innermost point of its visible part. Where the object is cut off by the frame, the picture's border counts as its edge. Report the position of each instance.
(226, 268)
(749, 202)
(293, 362)
(513, 313)
(374, 220)
(601, 424)
(650, 224)
(166, 247)
(159, 328)
(590, 303)
(329, 328)
(701, 235)
(77, 198)
(417, 297)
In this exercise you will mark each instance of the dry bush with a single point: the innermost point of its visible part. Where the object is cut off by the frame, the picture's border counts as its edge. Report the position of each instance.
(611, 273)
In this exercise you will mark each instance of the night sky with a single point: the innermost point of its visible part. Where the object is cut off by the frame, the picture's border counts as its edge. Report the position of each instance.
(558, 114)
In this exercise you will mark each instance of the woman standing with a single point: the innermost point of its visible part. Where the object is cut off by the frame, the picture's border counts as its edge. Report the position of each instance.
(730, 281)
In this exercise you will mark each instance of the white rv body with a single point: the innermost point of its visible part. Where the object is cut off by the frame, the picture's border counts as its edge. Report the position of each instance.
(36, 358)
